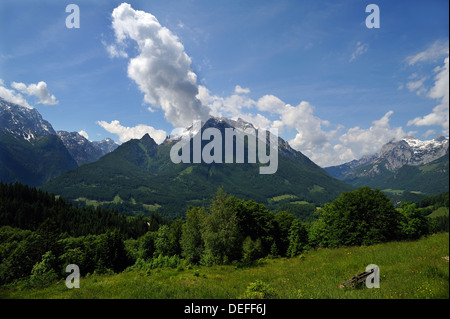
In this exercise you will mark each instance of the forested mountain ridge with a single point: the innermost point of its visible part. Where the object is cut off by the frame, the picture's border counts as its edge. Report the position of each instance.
(141, 172)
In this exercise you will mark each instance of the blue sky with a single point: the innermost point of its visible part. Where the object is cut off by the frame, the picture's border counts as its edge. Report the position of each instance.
(335, 89)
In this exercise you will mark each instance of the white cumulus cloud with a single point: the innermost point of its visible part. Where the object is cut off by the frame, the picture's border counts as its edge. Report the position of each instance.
(162, 69)
(12, 96)
(270, 103)
(127, 133)
(310, 134)
(310, 137)
(115, 51)
(240, 90)
(417, 86)
(361, 142)
(355, 142)
(38, 90)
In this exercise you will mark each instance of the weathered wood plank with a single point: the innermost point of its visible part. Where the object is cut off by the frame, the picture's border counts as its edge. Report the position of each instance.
(357, 279)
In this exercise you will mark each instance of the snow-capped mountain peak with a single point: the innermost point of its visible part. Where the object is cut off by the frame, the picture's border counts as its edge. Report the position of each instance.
(427, 145)
(23, 121)
(392, 156)
(426, 151)
(83, 150)
(192, 130)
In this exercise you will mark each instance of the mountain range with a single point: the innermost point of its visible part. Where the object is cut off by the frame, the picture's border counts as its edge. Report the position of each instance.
(84, 151)
(408, 164)
(140, 173)
(140, 177)
(33, 153)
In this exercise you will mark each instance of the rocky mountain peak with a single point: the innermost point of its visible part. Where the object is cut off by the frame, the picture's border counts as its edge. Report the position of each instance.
(394, 155)
(107, 145)
(23, 121)
(83, 150)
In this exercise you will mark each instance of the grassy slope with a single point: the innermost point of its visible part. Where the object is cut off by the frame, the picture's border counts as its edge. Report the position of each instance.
(441, 211)
(408, 270)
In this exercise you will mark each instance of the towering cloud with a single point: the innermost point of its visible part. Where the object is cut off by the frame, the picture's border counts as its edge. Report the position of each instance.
(162, 69)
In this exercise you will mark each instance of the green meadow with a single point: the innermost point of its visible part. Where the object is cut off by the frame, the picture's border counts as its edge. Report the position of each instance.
(408, 270)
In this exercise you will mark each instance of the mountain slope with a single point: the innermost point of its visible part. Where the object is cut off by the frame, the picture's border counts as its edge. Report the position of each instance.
(84, 151)
(107, 145)
(81, 149)
(30, 150)
(33, 162)
(430, 178)
(141, 172)
(22, 121)
(408, 164)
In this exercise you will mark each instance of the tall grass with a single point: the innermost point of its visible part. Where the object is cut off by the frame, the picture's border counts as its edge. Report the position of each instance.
(408, 270)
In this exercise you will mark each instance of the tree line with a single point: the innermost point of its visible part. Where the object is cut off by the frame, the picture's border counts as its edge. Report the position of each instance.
(40, 234)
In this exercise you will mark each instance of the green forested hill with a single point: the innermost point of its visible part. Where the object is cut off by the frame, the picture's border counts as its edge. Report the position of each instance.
(140, 174)
(28, 208)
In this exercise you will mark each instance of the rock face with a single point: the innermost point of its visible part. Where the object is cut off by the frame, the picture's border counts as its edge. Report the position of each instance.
(22, 121)
(427, 151)
(222, 122)
(412, 151)
(82, 150)
(107, 145)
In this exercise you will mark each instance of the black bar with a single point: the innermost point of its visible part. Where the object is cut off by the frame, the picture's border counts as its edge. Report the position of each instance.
(178, 308)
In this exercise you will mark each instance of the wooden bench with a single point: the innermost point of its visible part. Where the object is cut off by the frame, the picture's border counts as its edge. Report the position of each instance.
(357, 280)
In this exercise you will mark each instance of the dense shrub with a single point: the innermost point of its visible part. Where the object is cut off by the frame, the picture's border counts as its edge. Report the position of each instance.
(259, 290)
(361, 217)
(43, 273)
